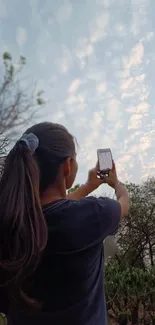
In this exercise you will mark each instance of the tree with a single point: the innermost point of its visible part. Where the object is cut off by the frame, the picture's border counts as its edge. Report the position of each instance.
(129, 278)
(18, 100)
(136, 235)
(130, 294)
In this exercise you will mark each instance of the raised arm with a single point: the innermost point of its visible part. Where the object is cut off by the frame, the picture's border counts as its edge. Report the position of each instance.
(120, 190)
(122, 198)
(91, 185)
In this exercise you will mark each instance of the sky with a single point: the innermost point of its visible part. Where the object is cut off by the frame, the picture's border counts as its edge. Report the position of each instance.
(95, 60)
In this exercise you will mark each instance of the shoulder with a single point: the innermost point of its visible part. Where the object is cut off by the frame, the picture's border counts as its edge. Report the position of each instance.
(101, 215)
(91, 204)
(86, 221)
(97, 203)
(100, 208)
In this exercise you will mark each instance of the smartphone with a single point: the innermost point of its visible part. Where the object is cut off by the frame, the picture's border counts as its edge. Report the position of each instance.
(105, 161)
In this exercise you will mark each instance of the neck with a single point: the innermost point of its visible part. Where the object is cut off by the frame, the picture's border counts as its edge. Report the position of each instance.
(52, 194)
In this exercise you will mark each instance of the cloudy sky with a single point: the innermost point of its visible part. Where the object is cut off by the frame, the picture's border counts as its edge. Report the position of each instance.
(96, 62)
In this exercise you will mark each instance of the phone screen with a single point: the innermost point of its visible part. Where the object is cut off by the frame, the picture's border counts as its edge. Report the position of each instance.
(105, 159)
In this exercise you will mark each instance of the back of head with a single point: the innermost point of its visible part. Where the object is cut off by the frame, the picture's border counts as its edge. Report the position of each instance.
(30, 168)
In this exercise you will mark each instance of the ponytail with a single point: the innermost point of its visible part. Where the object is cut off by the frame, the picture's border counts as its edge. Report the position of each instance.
(23, 230)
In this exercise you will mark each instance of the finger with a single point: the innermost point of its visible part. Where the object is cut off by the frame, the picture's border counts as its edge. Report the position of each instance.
(103, 181)
(113, 166)
(100, 177)
(97, 166)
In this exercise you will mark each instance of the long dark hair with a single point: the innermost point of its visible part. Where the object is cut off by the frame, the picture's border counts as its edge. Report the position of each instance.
(23, 230)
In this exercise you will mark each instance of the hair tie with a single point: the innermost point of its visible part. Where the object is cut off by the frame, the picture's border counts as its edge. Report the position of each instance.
(31, 140)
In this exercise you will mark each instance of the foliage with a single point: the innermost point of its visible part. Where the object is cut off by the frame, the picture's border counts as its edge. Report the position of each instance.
(136, 235)
(74, 188)
(130, 277)
(3, 319)
(130, 293)
(18, 101)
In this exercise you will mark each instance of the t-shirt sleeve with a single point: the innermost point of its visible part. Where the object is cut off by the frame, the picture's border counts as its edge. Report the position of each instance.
(92, 220)
(108, 213)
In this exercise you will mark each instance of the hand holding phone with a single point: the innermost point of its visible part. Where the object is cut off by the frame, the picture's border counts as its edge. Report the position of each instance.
(105, 162)
(107, 169)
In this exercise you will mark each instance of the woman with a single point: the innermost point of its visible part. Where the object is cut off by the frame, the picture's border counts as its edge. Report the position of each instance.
(51, 245)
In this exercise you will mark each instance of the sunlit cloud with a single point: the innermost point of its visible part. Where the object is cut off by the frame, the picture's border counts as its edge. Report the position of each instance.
(99, 27)
(98, 30)
(101, 87)
(135, 57)
(74, 85)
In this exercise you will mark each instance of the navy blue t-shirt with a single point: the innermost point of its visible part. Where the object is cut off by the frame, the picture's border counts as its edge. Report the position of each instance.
(69, 282)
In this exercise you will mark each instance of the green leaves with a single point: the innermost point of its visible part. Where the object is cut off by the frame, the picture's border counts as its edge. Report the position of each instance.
(136, 235)
(3, 319)
(10, 68)
(40, 101)
(73, 188)
(22, 60)
(127, 288)
(130, 277)
(39, 98)
(7, 56)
